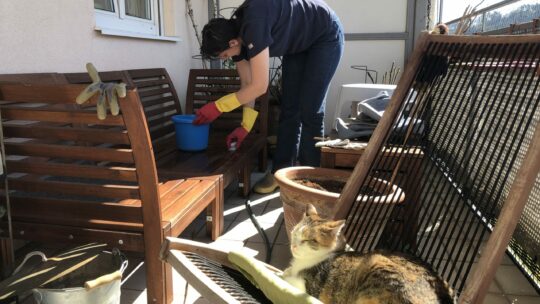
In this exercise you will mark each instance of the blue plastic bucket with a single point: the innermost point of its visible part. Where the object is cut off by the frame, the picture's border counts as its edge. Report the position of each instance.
(190, 137)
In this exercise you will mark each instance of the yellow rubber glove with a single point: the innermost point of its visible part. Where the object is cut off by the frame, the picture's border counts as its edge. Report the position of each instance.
(249, 116)
(210, 111)
(107, 91)
(228, 103)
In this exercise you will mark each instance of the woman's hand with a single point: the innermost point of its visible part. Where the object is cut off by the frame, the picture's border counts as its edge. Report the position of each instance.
(208, 113)
(238, 136)
(249, 116)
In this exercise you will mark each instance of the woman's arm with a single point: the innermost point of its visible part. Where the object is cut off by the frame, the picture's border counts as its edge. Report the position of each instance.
(252, 86)
(253, 77)
(244, 71)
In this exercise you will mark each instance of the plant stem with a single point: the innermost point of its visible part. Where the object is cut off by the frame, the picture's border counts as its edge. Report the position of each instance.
(189, 8)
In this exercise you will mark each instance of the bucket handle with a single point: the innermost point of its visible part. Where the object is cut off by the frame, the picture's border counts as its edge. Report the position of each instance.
(122, 257)
(38, 296)
(27, 257)
(105, 279)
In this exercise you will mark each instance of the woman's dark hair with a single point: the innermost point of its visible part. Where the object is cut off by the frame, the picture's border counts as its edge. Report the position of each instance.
(216, 35)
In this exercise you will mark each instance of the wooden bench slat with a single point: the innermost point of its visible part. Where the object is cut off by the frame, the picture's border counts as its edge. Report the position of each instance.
(164, 130)
(33, 78)
(131, 241)
(71, 133)
(154, 92)
(108, 76)
(76, 213)
(167, 142)
(157, 121)
(145, 73)
(222, 90)
(172, 191)
(144, 83)
(188, 208)
(165, 156)
(206, 99)
(187, 191)
(148, 102)
(40, 93)
(71, 170)
(17, 113)
(147, 77)
(71, 152)
(215, 81)
(161, 111)
(79, 189)
(214, 73)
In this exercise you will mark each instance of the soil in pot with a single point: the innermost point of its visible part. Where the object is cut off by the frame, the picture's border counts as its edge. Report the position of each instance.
(332, 186)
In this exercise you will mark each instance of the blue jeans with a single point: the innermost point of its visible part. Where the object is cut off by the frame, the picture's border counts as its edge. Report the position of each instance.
(306, 77)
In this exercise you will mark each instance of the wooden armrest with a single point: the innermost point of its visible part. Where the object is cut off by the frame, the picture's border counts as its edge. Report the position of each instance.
(172, 243)
(218, 255)
(211, 290)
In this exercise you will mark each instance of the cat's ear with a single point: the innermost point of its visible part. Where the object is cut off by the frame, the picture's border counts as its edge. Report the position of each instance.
(336, 226)
(310, 210)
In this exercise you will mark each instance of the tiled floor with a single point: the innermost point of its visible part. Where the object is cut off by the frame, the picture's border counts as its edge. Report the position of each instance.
(510, 286)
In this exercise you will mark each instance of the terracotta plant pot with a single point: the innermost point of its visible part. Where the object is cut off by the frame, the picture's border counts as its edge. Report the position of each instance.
(296, 196)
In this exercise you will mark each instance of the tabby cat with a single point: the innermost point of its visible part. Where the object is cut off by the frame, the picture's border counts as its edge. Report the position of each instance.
(321, 267)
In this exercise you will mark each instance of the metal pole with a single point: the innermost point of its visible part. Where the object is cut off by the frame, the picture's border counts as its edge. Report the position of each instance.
(7, 210)
(483, 28)
(440, 8)
(213, 12)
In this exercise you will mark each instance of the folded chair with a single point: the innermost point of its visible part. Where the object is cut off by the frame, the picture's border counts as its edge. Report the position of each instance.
(470, 106)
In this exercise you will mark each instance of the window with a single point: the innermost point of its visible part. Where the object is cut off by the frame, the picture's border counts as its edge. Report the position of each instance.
(134, 18)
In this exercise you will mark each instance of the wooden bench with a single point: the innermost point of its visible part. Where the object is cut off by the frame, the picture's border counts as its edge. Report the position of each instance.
(160, 102)
(206, 86)
(74, 178)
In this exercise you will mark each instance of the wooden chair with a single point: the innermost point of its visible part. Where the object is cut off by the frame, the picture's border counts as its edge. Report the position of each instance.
(160, 102)
(73, 178)
(475, 111)
(471, 106)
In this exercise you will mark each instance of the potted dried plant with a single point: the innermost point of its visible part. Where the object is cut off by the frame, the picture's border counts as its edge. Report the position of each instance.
(321, 187)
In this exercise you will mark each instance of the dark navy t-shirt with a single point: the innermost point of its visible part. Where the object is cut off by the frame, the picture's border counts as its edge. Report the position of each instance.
(285, 26)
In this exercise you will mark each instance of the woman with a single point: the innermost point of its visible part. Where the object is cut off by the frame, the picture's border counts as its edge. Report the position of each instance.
(309, 36)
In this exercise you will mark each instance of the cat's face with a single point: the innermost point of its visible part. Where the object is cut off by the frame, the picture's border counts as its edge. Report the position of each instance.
(314, 236)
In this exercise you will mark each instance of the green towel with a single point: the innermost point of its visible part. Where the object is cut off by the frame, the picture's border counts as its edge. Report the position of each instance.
(274, 288)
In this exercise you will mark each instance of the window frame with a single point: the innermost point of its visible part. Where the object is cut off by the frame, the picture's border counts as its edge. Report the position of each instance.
(118, 23)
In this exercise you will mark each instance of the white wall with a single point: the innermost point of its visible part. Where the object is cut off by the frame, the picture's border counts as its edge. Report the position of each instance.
(59, 36)
(224, 6)
(371, 16)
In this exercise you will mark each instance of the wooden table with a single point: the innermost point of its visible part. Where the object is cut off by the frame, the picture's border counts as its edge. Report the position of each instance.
(339, 158)
(347, 158)
(406, 214)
